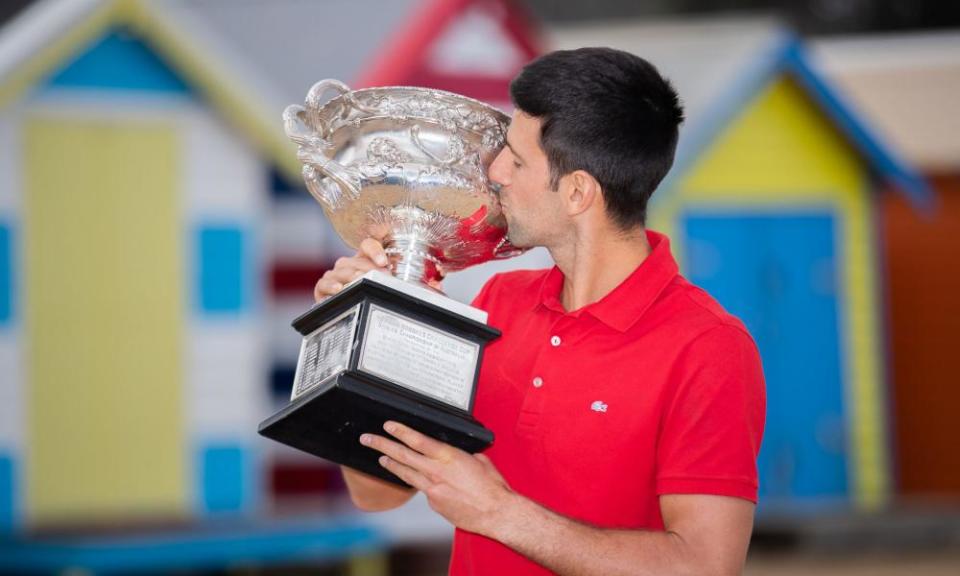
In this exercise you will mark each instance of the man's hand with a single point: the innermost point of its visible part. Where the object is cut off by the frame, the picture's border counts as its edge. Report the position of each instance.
(464, 488)
(371, 256)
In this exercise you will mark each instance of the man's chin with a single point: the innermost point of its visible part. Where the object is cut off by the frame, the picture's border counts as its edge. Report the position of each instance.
(519, 242)
(515, 235)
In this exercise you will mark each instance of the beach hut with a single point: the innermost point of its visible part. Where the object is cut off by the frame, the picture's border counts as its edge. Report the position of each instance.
(133, 186)
(772, 208)
(908, 85)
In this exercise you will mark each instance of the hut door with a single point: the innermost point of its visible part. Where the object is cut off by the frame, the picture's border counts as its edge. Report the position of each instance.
(778, 273)
(104, 275)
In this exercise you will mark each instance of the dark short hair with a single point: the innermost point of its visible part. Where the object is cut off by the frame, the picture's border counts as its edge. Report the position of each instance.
(608, 113)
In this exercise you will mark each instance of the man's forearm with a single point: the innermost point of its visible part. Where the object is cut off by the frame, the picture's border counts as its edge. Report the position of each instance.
(706, 535)
(373, 494)
(571, 548)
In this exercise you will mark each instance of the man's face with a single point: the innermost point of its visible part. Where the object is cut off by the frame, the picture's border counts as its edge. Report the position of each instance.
(521, 169)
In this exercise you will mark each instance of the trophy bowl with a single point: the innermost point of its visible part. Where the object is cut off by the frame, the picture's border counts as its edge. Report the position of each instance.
(407, 166)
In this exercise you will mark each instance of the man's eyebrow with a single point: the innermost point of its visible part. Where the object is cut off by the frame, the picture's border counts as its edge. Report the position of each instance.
(514, 150)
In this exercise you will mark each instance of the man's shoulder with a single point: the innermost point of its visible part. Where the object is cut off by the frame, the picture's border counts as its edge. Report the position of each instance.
(708, 340)
(697, 312)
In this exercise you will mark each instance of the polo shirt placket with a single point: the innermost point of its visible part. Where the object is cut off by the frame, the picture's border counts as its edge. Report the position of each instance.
(544, 379)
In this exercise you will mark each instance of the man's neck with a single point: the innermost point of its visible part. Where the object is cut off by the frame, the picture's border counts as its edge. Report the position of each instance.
(594, 264)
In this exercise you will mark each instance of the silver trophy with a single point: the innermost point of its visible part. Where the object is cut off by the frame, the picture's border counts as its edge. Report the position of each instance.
(407, 166)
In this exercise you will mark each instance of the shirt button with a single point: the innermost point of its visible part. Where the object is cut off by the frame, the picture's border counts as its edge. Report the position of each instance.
(537, 382)
(555, 340)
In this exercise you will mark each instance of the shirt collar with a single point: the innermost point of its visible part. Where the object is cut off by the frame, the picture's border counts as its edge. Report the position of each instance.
(626, 303)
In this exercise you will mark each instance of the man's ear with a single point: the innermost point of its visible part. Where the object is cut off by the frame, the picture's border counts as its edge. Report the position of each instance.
(582, 192)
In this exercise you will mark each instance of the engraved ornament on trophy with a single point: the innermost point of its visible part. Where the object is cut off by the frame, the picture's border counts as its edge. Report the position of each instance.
(407, 166)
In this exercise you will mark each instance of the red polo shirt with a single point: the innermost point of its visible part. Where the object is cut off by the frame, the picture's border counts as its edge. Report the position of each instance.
(652, 390)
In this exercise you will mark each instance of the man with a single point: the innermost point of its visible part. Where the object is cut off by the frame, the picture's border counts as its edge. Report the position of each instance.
(627, 405)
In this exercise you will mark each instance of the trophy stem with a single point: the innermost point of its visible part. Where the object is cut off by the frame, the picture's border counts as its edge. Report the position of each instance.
(411, 260)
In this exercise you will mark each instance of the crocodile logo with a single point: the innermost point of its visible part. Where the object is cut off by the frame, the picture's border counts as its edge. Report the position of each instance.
(598, 406)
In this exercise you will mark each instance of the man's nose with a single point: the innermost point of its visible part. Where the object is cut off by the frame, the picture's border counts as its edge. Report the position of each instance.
(498, 176)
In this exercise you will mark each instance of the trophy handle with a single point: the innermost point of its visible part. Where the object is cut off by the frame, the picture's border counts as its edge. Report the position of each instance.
(322, 87)
(312, 142)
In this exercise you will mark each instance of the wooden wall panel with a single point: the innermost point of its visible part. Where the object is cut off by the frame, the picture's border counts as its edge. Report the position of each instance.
(922, 261)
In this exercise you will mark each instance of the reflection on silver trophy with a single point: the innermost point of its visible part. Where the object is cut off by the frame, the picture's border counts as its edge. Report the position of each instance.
(406, 166)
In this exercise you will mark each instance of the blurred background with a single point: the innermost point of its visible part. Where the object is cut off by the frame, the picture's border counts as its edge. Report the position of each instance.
(156, 241)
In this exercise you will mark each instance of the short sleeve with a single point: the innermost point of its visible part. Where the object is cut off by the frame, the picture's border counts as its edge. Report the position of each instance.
(713, 422)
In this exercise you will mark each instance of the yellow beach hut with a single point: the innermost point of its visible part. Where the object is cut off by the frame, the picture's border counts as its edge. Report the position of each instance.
(772, 208)
(132, 184)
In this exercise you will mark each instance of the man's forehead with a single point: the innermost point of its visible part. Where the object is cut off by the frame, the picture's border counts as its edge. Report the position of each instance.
(522, 118)
(524, 127)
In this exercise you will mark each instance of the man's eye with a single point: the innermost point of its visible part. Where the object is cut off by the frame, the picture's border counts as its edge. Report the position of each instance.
(516, 164)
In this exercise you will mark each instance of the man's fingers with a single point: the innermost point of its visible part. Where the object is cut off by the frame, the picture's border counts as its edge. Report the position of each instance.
(420, 442)
(326, 287)
(334, 280)
(373, 250)
(405, 473)
(347, 267)
(345, 270)
(398, 452)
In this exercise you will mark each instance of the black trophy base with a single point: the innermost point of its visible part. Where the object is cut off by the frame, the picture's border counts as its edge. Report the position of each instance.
(329, 420)
(337, 397)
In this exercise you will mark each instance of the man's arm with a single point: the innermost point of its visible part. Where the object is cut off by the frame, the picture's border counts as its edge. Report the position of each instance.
(704, 535)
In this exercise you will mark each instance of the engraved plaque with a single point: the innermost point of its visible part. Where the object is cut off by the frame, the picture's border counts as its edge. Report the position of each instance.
(326, 352)
(419, 357)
